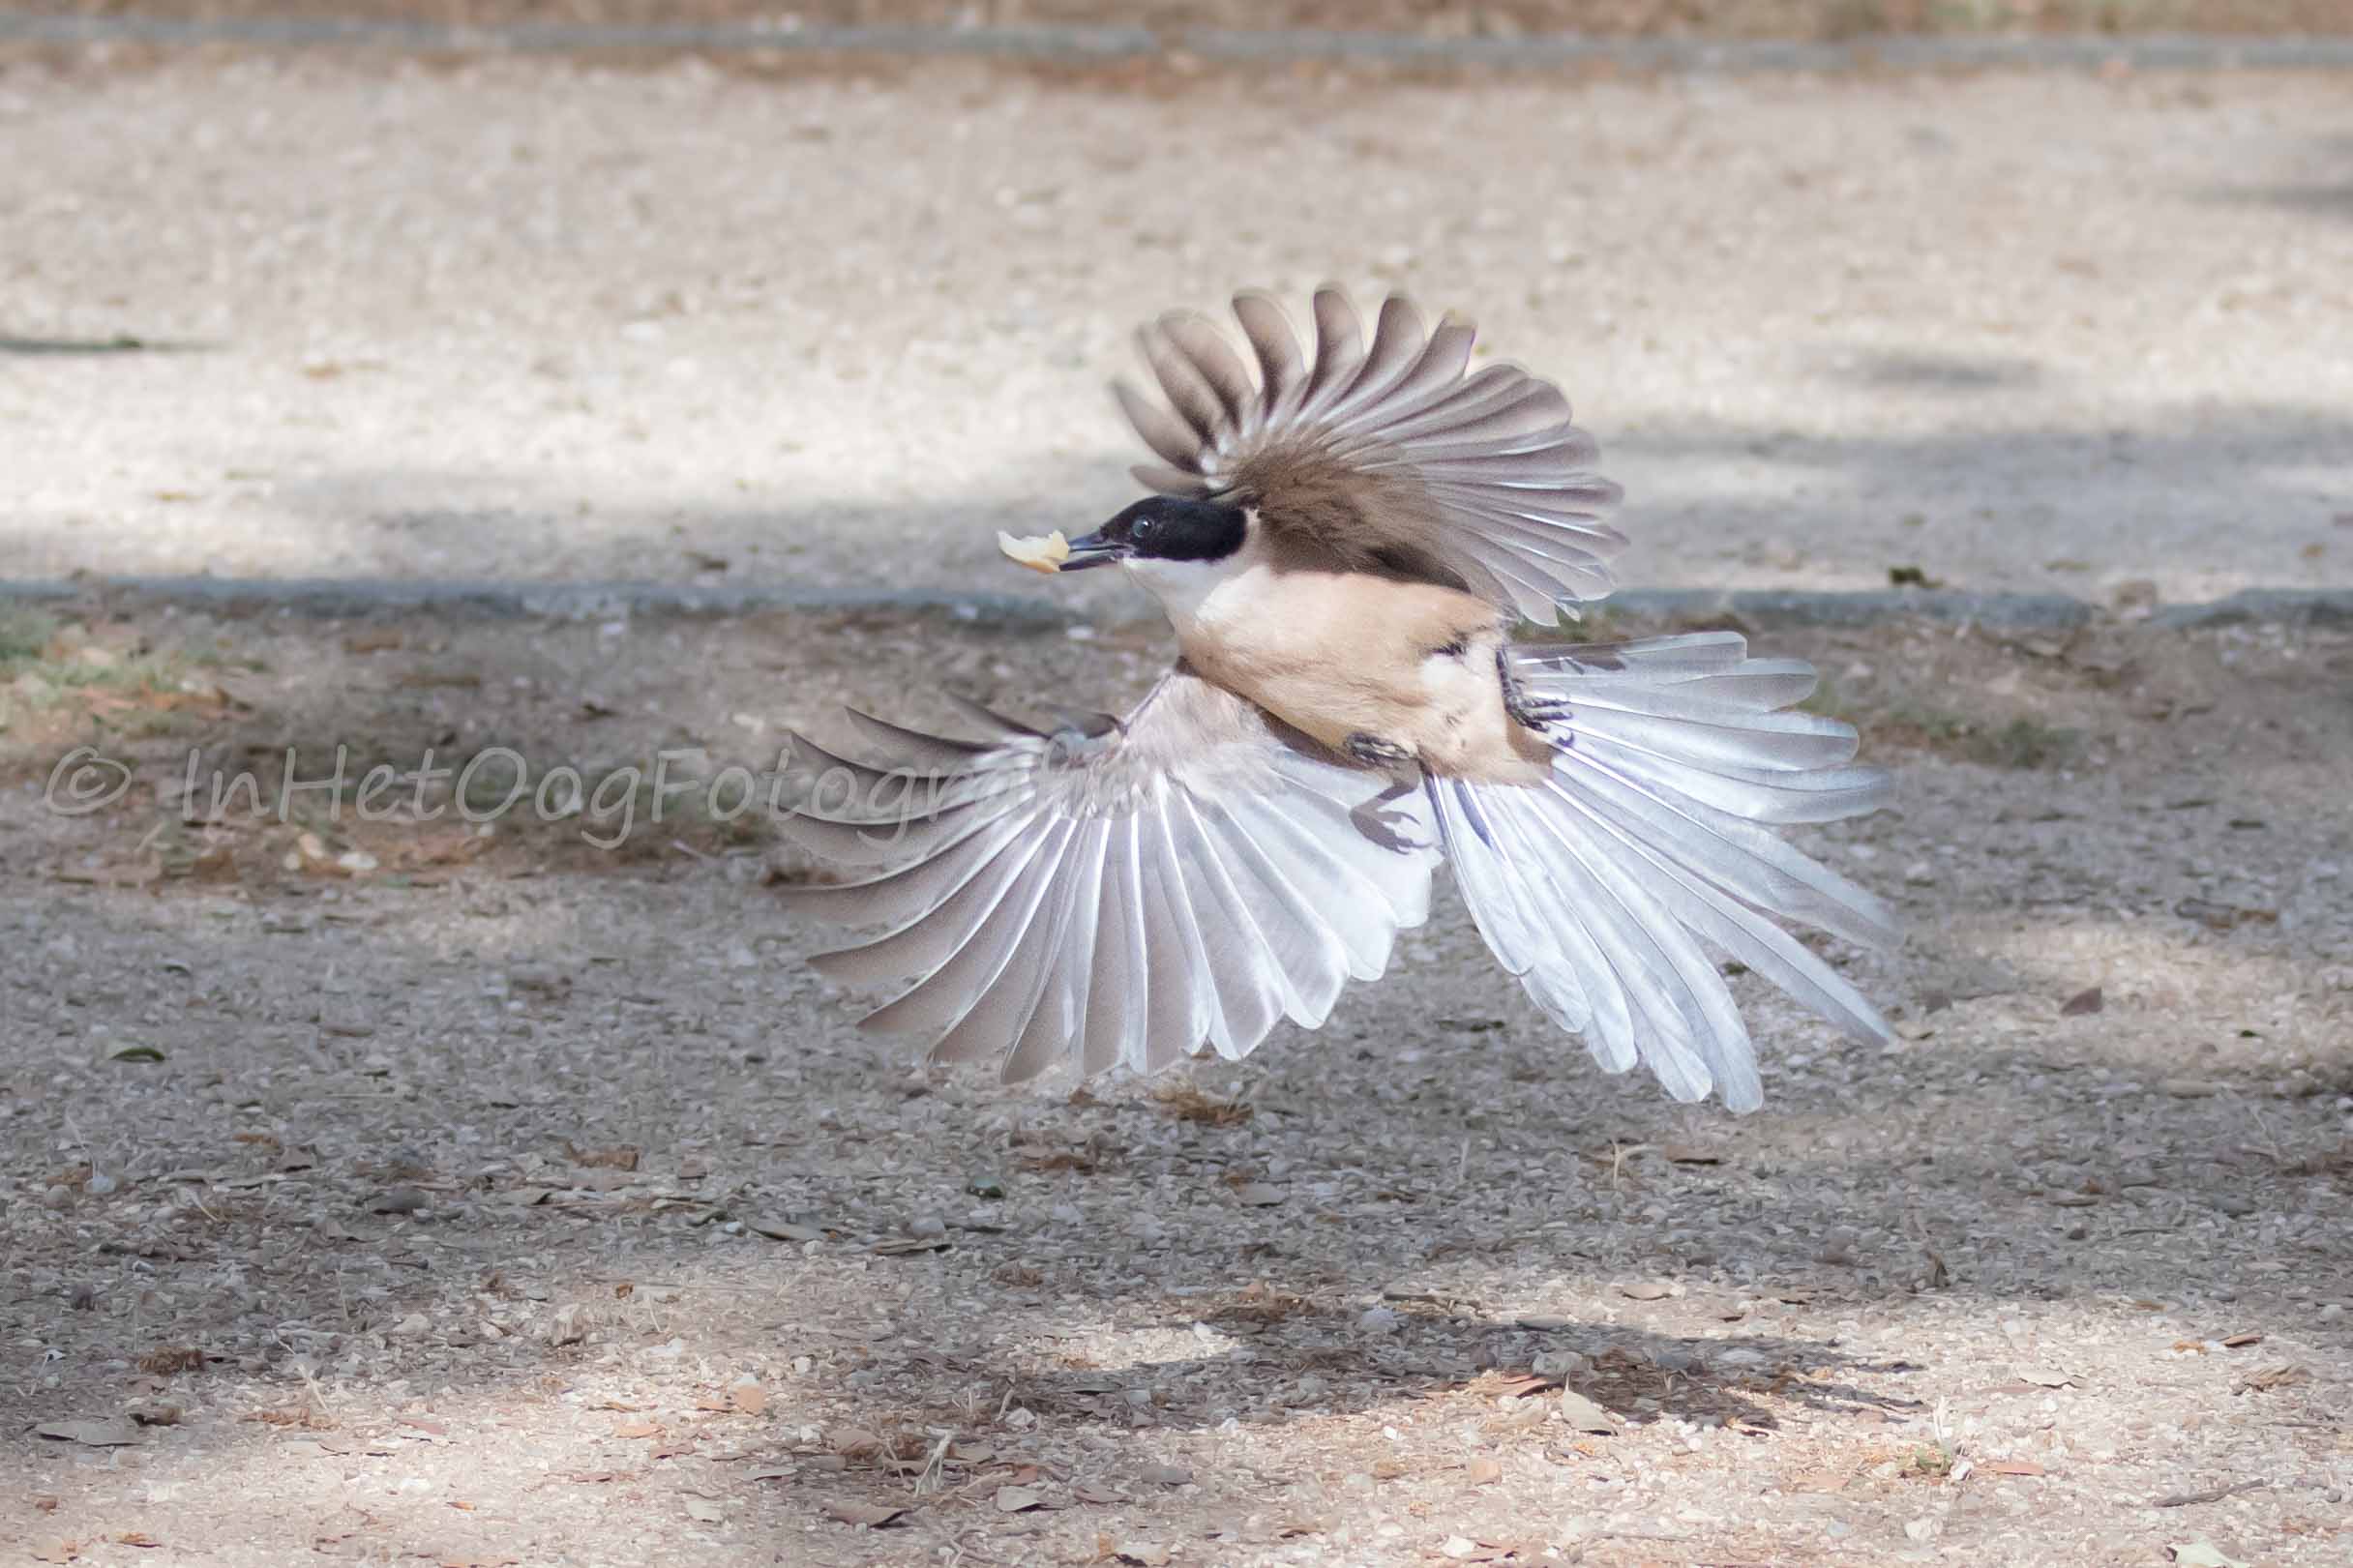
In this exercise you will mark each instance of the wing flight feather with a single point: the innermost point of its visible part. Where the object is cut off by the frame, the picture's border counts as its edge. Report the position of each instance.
(1392, 456)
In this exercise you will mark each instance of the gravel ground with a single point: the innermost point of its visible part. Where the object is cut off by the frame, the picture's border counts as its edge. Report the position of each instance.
(823, 324)
(1719, 18)
(501, 1200)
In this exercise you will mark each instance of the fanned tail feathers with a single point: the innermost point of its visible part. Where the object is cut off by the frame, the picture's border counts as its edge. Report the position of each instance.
(1607, 888)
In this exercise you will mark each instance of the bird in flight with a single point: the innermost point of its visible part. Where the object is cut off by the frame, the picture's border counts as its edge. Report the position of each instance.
(1345, 540)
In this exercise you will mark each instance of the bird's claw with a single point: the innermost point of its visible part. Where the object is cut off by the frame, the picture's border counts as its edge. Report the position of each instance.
(1374, 752)
(1529, 712)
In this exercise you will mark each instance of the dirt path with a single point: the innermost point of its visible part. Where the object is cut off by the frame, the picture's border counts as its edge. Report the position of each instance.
(497, 1200)
(1501, 18)
(350, 316)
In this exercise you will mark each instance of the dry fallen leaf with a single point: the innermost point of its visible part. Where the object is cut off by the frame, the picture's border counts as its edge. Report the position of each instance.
(2235, 1341)
(1646, 1289)
(136, 1538)
(1523, 1384)
(1186, 1101)
(2013, 1467)
(303, 1416)
(55, 1550)
(1013, 1499)
(2043, 1377)
(1261, 1194)
(705, 1510)
(91, 1433)
(873, 1516)
(747, 1397)
(1484, 1472)
(638, 1429)
(1584, 1415)
(2223, 916)
(2278, 1376)
(1687, 1154)
(2086, 1001)
(2201, 1554)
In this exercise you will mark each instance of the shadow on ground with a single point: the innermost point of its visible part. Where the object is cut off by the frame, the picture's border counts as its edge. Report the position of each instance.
(501, 1173)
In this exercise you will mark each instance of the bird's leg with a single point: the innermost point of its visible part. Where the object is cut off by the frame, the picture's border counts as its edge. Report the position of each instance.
(1526, 710)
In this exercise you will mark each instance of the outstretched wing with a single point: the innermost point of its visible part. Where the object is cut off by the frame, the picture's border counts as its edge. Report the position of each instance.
(1110, 893)
(1390, 457)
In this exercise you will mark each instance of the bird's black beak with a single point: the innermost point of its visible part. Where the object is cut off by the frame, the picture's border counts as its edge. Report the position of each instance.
(1094, 549)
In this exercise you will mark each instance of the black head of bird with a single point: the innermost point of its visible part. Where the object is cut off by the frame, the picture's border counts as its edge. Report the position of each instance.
(1163, 528)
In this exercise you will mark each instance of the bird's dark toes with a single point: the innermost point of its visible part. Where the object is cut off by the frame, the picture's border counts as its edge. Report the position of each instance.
(1374, 752)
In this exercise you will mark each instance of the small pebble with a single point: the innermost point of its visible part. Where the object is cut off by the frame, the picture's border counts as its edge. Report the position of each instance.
(1379, 1321)
(927, 1224)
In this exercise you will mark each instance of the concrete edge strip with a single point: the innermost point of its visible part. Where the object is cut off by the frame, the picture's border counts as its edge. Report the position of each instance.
(2154, 51)
(355, 597)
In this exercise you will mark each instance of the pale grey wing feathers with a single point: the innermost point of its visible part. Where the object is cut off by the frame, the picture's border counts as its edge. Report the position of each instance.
(1105, 895)
(1611, 888)
(1391, 454)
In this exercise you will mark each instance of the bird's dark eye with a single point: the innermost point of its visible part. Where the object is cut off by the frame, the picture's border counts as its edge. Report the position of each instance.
(1144, 526)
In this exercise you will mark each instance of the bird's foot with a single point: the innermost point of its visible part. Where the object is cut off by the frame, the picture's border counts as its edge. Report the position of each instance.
(1374, 752)
(1528, 710)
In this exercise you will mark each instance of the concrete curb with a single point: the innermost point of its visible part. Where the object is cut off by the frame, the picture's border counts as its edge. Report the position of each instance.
(2152, 51)
(360, 597)
(331, 598)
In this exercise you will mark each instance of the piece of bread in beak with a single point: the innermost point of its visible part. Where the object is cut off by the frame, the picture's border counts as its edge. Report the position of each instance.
(1039, 552)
